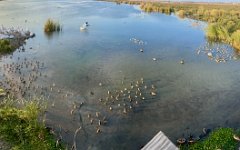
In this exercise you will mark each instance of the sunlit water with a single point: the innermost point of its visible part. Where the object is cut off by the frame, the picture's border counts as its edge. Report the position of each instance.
(200, 93)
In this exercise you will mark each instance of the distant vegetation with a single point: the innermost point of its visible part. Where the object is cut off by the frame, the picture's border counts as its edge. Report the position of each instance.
(20, 127)
(221, 138)
(5, 46)
(223, 19)
(52, 26)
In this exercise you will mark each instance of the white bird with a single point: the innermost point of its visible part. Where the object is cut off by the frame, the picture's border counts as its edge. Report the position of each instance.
(209, 54)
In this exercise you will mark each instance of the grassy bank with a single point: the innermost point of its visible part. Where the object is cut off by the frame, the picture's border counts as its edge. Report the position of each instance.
(221, 138)
(223, 19)
(21, 129)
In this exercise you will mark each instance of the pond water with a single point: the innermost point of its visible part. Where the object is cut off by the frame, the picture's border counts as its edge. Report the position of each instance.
(104, 61)
(209, 1)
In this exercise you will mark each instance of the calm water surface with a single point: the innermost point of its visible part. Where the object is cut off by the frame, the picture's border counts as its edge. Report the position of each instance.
(200, 93)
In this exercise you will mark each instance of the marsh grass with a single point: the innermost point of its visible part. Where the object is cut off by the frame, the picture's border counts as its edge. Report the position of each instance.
(20, 127)
(221, 138)
(52, 26)
(223, 19)
(5, 46)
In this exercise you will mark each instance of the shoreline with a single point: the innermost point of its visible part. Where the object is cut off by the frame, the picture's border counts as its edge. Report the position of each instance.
(222, 18)
(175, 2)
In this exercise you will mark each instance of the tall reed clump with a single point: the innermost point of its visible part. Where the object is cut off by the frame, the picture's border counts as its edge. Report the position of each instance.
(20, 127)
(236, 39)
(224, 20)
(52, 26)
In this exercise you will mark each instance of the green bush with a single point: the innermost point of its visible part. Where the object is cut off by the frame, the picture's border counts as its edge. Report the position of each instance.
(236, 39)
(221, 138)
(5, 46)
(22, 130)
(212, 32)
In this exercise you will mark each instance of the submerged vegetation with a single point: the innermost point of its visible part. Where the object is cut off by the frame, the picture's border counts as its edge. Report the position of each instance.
(20, 127)
(223, 19)
(52, 26)
(221, 138)
(5, 46)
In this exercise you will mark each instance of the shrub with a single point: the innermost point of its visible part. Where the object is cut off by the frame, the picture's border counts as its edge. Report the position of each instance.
(236, 39)
(212, 32)
(51, 26)
(181, 13)
(221, 138)
(20, 127)
(5, 46)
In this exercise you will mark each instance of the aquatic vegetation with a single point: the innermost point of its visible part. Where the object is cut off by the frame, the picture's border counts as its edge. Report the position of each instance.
(236, 39)
(221, 138)
(52, 26)
(223, 19)
(2, 92)
(222, 22)
(20, 127)
(5, 46)
(181, 13)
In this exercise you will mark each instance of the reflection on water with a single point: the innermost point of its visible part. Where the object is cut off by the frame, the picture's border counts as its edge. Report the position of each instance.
(179, 98)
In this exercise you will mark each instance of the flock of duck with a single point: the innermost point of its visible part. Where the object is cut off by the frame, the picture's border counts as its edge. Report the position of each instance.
(217, 52)
(20, 79)
(190, 139)
(125, 99)
(138, 42)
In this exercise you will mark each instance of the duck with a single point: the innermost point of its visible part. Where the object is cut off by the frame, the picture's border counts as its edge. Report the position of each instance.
(237, 138)
(83, 28)
(154, 59)
(181, 140)
(210, 54)
(182, 61)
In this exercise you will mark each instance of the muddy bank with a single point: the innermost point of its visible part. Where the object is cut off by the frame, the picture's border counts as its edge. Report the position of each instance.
(16, 37)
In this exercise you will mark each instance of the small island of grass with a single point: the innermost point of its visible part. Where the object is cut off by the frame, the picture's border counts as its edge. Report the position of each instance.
(52, 26)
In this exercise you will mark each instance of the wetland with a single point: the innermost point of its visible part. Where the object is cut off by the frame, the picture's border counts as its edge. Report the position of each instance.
(124, 78)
